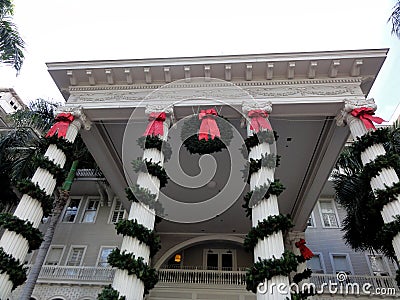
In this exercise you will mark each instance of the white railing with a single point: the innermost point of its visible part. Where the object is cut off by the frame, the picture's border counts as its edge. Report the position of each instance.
(81, 274)
(202, 276)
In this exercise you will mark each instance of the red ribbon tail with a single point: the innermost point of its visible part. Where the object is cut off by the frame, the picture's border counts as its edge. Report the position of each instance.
(214, 130)
(254, 125)
(149, 129)
(306, 253)
(264, 123)
(60, 128)
(203, 131)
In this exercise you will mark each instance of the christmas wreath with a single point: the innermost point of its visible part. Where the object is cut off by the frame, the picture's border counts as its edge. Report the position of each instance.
(206, 132)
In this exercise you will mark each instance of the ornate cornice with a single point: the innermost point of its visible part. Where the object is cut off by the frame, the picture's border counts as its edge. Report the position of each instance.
(344, 117)
(253, 105)
(79, 115)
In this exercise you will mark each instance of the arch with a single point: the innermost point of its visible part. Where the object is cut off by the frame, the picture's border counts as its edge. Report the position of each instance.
(57, 298)
(194, 241)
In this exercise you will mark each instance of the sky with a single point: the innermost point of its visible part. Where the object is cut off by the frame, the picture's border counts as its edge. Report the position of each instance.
(76, 30)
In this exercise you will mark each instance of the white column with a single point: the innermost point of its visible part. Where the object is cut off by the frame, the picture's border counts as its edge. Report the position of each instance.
(30, 209)
(131, 286)
(271, 246)
(387, 176)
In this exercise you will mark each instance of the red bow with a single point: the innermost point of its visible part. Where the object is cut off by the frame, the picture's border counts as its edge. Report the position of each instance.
(258, 121)
(61, 126)
(208, 124)
(156, 126)
(305, 252)
(365, 114)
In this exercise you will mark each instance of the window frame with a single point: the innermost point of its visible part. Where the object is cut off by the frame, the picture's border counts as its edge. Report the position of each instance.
(69, 253)
(77, 210)
(312, 220)
(88, 199)
(99, 255)
(220, 251)
(347, 255)
(321, 260)
(384, 261)
(334, 210)
(61, 256)
(113, 206)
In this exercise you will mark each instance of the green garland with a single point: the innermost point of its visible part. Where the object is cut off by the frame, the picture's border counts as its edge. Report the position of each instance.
(266, 161)
(24, 228)
(381, 162)
(387, 195)
(55, 170)
(379, 136)
(265, 269)
(61, 143)
(190, 137)
(266, 228)
(108, 293)
(154, 169)
(26, 186)
(137, 193)
(258, 138)
(134, 266)
(390, 230)
(13, 268)
(301, 276)
(261, 192)
(133, 229)
(149, 142)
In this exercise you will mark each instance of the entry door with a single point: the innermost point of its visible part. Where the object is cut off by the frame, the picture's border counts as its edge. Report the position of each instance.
(220, 259)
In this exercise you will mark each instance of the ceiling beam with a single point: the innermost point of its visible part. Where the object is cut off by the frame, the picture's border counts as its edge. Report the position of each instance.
(71, 76)
(110, 76)
(333, 69)
(187, 73)
(312, 69)
(249, 72)
(167, 74)
(290, 69)
(147, 75)
(228, 72)
(128, 75)
(356, 68)
(207, 72)
(89, 73)
(270, 71)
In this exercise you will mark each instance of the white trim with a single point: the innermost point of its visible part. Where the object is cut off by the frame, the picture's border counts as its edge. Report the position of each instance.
(332, 254)
(77, 211)
(334, 210)
(83, 254)
(384, 260)
(57, 297)
(321, 260)
(100, 250)
(114, 204)
(48, 252)
(88, 199)
(312, 220)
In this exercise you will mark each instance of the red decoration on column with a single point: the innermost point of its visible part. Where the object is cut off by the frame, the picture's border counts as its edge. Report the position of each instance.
(258, 120)
(305, 252)
(61, 126)
(365, 114)
(208, 124)
(156, 126)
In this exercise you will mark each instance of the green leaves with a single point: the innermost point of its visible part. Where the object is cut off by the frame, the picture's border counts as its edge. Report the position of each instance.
(26, 186)
(149, 142)
(108, 293)
(13, 268)
(256, 139)
(154, 169)
(266, 161)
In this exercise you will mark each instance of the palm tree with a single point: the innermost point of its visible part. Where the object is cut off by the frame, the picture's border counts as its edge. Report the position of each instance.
(11, 43)
(363, 223)
(395, 19)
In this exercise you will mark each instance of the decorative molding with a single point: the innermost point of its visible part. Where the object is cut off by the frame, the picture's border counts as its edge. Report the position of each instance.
(270, 71)
(128, 74)
(252, 105)
(167, 74)
(312, 69)
(249, 72)
(159, 108)
(356, 68)
(228, 72)
(91, 79)
(349, 104)
(109, 75)
(290, 70)
(333, 69)
(79, 115)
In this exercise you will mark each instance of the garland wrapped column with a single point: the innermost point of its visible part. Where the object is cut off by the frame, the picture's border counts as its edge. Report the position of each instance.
(266, 210)
(359, 116)
(133, 280)
(21, 228)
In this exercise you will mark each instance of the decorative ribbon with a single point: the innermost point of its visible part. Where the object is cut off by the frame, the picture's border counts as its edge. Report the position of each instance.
(156, 126)
(305, 252)
(208, 124)
(61, 126)
(258, 120)
(365, 114)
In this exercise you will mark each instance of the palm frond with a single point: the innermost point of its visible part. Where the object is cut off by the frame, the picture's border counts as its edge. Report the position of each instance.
(11, 44)
(395, 19)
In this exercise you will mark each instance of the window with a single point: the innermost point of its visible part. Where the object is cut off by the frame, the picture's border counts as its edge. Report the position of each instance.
(103, 256)
(118, 212)
(316, 264)
(341, 263)
(220, 259)
(75, 256)
(328, 214)
(71, 210)
(89, 216)
(54, 255)
(310, 222)
(378, 265)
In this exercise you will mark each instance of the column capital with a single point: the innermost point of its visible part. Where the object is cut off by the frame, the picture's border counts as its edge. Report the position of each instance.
(151, 108)
(344, 117)
(79, 115)
(254, 105)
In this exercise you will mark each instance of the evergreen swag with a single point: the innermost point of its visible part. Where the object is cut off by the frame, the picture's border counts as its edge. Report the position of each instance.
(61, 143)
(252, 198)
(390, 230)
(301, 276)
(55, 170)
(258, 138)
(137, 193)
(13, 268)
(108, 293)
(154, 169)
(387, 195)
(26, 186)
(190, 137)
(381, 162)
(133, 229)
(266, 161)
(265, 269)
(134, 266)
(379, 136)
(265, 228)
(24, 228)
(149, 142)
